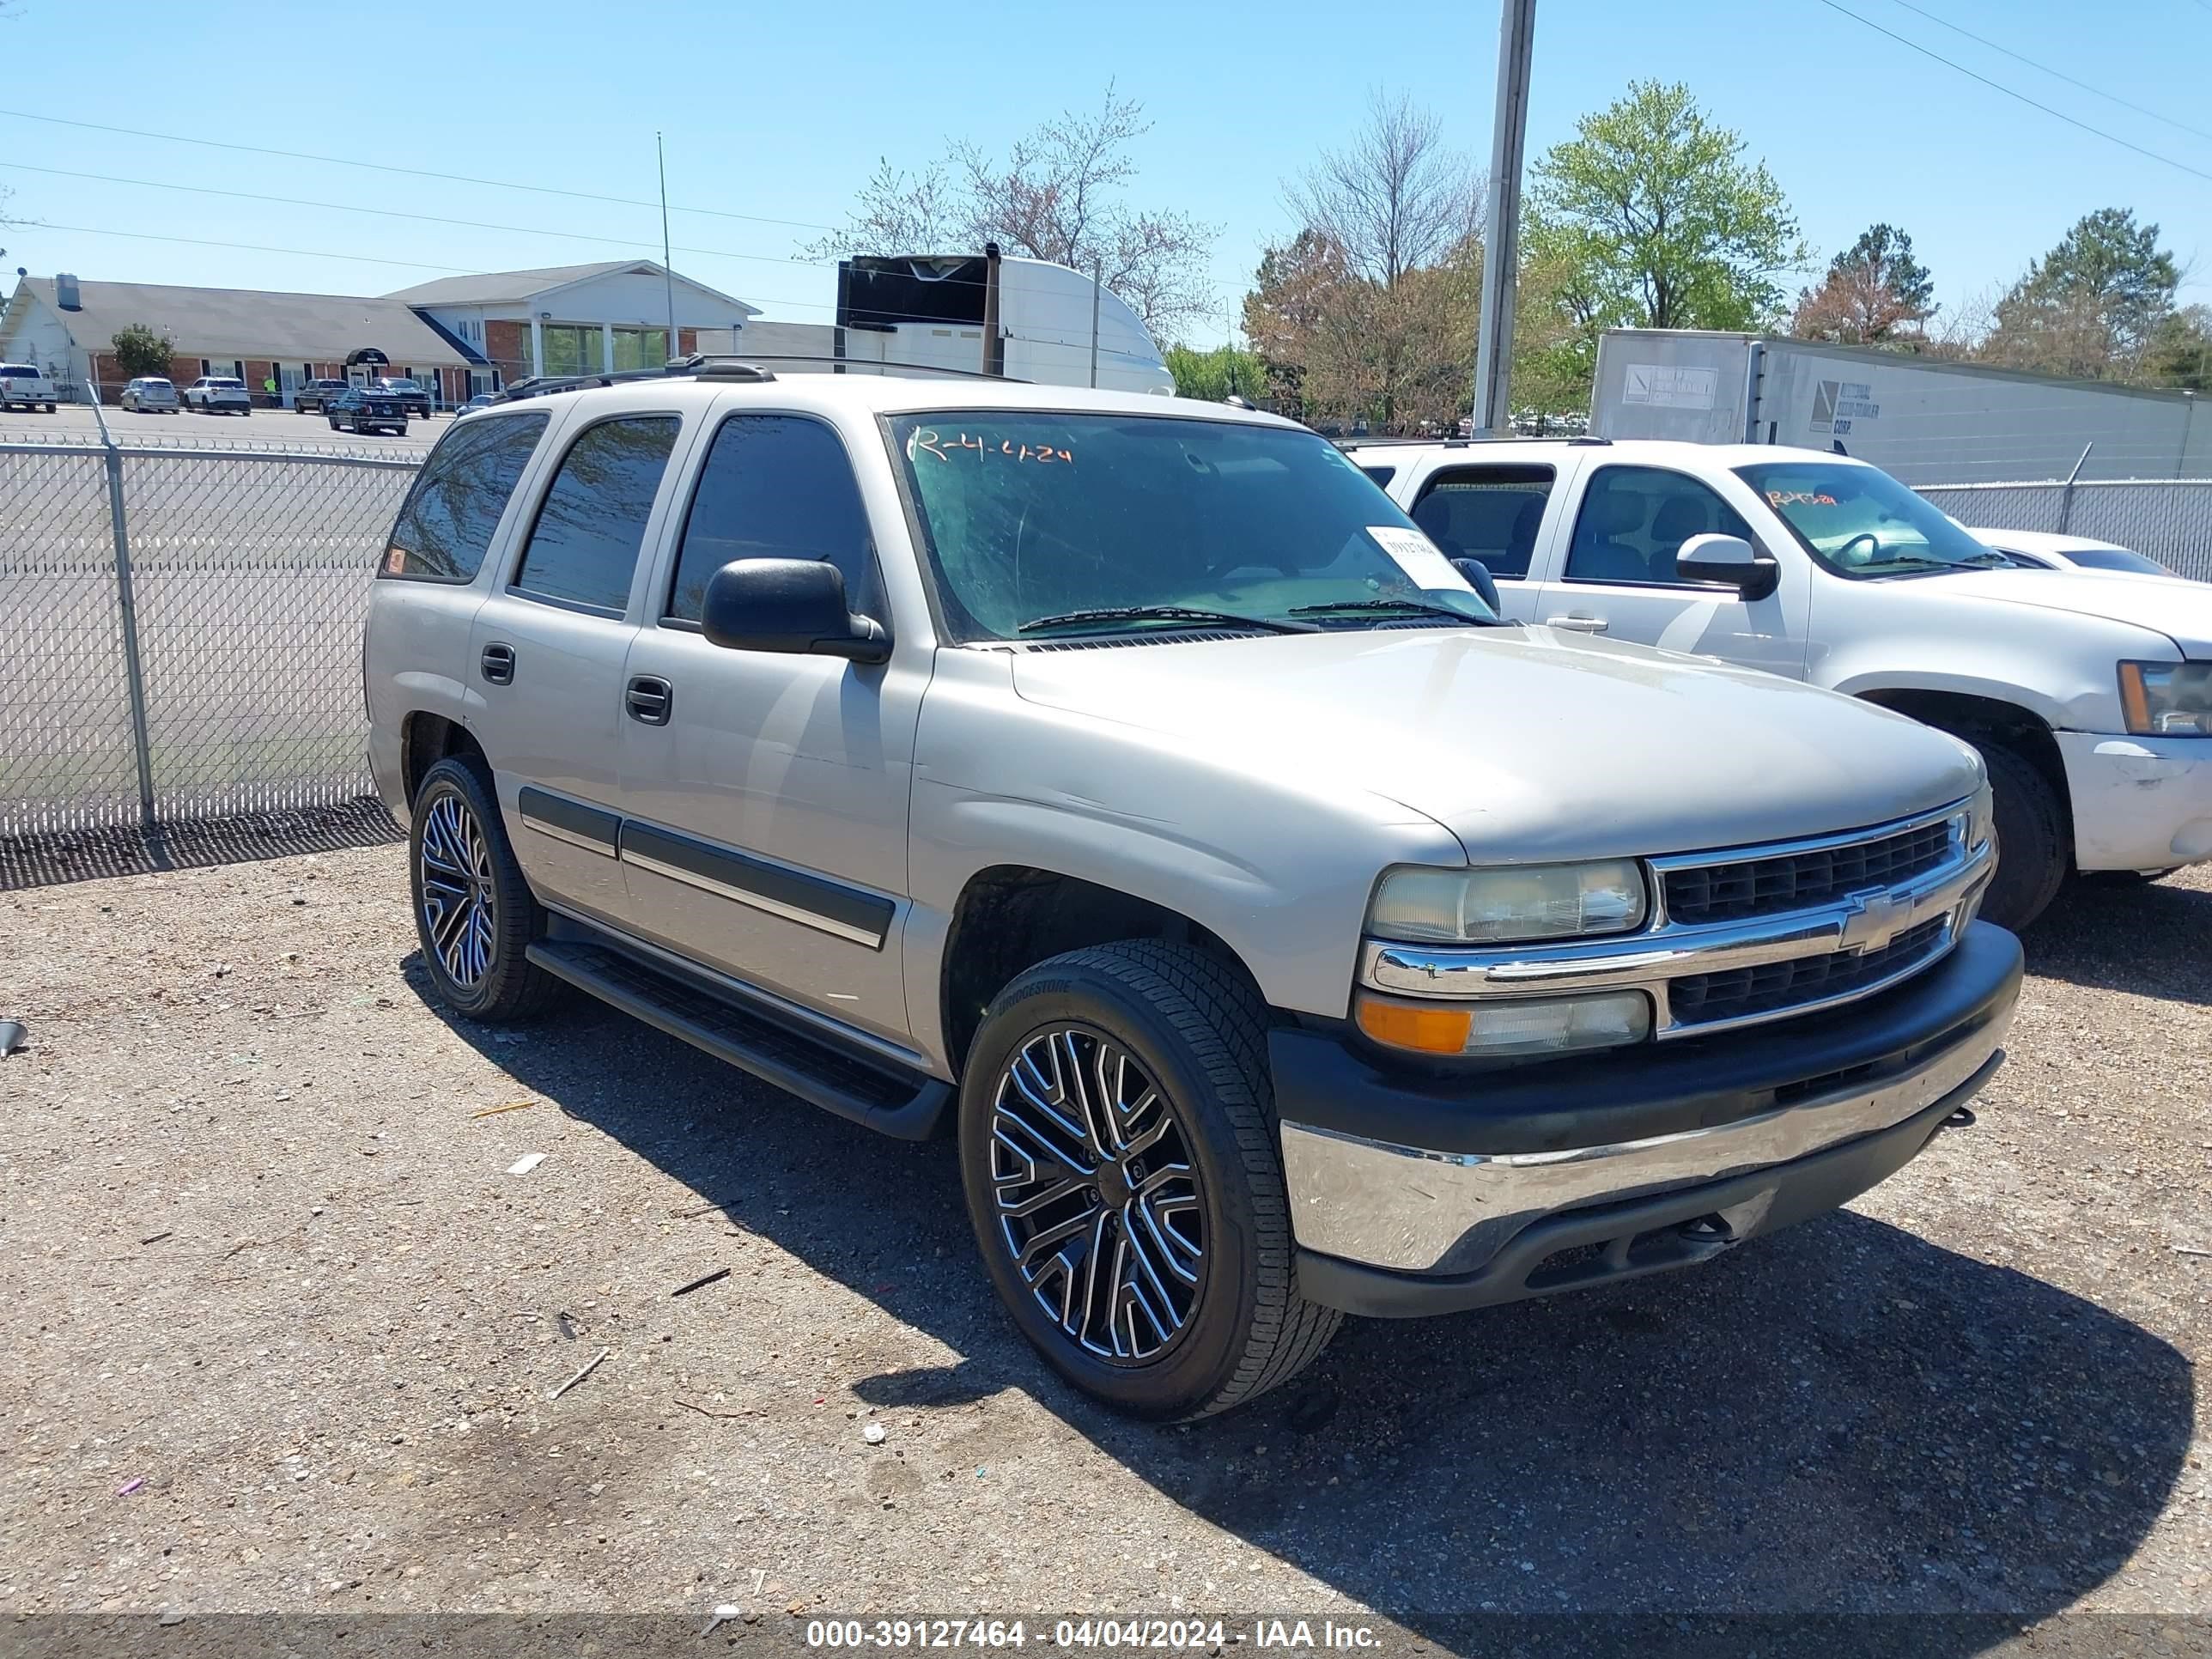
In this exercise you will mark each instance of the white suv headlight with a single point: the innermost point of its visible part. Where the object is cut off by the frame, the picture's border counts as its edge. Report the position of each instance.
(2167, 699)
(1509, 905)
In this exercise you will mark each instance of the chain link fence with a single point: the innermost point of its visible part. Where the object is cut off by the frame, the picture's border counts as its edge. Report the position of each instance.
(2169, 520)
(221, 590)
(180, 630)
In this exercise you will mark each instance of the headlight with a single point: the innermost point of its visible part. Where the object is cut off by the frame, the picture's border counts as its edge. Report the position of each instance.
(2167, 699)
(1505, 1027)
(1509, 905)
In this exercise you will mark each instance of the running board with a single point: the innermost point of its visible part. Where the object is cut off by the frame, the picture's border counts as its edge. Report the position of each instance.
(906, 1105)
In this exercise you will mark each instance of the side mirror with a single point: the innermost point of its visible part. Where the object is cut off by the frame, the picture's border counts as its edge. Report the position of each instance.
(1729, 560)
(1478, 577)
(792, 605)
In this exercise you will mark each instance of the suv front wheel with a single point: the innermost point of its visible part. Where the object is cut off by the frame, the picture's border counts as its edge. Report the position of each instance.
(473, 909)
(1118, 1148)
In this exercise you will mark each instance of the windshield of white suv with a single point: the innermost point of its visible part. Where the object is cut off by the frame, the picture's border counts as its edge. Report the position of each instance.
(1860, 522)
(1039, 523)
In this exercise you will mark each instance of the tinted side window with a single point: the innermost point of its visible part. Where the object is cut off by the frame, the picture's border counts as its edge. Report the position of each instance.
(1382, 474)
(449, 515)
(1486, 512)
(775, 487)
(583, 546)
(1635, 519)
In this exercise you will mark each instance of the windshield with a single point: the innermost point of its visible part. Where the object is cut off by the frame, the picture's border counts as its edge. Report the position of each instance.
(1035, 514)
(17, 372)
(1859, 521)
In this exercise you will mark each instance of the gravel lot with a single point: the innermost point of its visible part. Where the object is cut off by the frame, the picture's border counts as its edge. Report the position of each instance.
(284, 1331)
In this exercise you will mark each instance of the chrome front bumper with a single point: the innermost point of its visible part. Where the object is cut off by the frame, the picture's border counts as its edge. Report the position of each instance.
(1438, 1181)
(1412, 1211)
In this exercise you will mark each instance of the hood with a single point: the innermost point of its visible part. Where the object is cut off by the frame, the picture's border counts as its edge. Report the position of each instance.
(1527, 744)
(2180, 609)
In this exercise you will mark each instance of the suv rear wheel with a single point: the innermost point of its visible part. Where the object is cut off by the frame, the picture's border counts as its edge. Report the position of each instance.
(473, 910)
(1118, 1148)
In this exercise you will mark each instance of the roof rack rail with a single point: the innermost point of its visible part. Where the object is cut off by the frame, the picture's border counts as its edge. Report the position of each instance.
(703, 366)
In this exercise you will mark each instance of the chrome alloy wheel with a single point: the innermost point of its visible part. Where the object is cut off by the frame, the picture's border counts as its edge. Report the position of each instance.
(1096, 1199)
(457, 890)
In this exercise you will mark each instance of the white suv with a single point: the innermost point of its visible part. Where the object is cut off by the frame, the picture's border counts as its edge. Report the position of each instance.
(2088, 694)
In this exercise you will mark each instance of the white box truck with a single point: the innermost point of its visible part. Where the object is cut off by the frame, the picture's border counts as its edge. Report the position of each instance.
(1056, 327)
(1921, 420)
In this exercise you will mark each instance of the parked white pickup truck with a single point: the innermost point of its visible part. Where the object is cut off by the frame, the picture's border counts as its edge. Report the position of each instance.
(2089, 694)
(24, 385)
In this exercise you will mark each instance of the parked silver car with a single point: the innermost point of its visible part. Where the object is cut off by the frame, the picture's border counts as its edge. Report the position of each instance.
(149, 394)
(1125, 786)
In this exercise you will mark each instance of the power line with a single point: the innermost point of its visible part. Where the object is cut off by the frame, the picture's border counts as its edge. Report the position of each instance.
(251, 247)
(410, 172)
(1998, 86)
(1005, 283)
(2058, 74)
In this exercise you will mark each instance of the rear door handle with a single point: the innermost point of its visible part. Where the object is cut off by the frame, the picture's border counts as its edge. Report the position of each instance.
(1578, 623)
(498, 663)
(649, 699)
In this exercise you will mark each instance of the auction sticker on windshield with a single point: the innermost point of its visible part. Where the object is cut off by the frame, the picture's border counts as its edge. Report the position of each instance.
(1418, 556)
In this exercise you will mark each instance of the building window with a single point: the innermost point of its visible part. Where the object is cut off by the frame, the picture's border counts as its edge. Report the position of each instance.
(640, 348)
(573, 348)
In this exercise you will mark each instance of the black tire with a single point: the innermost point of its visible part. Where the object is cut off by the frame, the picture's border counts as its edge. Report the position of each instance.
(508, 985)
(1197, 1030)
(2034, 852)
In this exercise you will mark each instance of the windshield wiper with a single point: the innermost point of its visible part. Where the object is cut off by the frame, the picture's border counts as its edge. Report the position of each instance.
(1165, 613)
(1418, 606)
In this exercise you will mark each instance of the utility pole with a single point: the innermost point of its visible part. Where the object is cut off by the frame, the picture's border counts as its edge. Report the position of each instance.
(667, 265)
(1501, 253)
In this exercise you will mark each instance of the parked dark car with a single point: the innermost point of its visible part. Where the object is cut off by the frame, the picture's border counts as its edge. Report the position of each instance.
(316, 394)
(356, 409)
(413, 395)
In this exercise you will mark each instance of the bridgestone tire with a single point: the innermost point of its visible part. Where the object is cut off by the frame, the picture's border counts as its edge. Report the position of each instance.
(1199, 1029)
(2034, 852)
(511, 988)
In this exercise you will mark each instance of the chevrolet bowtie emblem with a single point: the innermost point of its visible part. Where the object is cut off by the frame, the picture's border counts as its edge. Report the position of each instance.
(1873, 920)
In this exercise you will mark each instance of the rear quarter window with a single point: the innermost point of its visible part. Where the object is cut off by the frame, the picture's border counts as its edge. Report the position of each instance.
(446, 524)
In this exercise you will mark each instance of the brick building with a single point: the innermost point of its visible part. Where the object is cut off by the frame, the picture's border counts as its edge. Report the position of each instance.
(459, 336)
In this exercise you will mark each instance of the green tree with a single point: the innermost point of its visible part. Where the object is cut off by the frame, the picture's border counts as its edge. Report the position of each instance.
(1874, 291)
(139, 350)
(1225, 371)
(1659, 219)
(2180, 357)
(2092, 306)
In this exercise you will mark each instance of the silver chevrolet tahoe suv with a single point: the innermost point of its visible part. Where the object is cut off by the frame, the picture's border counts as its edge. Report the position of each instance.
(1124, 786)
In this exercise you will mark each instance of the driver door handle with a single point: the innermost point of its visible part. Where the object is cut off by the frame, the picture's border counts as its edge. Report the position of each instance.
(1578, 623)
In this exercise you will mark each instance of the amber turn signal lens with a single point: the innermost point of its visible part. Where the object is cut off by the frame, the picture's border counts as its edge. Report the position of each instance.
(1407, 1025)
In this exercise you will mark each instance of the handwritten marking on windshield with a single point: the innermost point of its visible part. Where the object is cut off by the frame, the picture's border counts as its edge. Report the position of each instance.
(922, 440)
(1799, 498)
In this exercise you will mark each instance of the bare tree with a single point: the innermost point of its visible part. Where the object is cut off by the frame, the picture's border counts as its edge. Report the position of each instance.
(897, 213)
(1060, 195)
(1395, 199)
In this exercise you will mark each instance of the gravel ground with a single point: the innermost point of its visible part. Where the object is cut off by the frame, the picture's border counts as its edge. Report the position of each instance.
(285, 1329)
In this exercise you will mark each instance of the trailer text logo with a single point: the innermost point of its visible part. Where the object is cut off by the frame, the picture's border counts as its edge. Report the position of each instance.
(1837, 404)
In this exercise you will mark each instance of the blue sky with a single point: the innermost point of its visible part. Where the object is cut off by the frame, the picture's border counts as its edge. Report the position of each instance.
(779, 111)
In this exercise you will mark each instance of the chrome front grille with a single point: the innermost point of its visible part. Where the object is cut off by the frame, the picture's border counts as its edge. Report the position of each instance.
(1743, 935)
(1772, 987)
(1773, 885)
